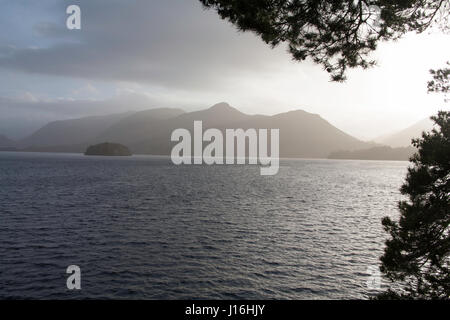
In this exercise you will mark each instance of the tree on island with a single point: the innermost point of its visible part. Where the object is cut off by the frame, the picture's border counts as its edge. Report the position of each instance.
(337, 34)
(107, 149)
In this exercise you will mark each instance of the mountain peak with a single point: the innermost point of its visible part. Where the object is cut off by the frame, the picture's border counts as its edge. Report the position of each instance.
(297, 113)
(223, 106)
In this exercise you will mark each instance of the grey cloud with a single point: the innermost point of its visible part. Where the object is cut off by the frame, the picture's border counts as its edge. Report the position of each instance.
(74, 108)
(51, 30)
(175, 44)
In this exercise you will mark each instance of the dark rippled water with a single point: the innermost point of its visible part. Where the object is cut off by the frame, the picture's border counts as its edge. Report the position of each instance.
(143, 228)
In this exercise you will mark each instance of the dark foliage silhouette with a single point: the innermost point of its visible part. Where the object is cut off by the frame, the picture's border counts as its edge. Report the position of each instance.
(440, 82)
(337, 34)
(417, 255)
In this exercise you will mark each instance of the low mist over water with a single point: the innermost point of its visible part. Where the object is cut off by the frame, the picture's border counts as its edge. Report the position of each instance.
(140, 227)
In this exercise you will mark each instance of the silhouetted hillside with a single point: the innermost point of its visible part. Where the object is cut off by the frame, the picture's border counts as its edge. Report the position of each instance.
(138, 126)
(302, 134)
(403, 138)
(71, 132)
(376, 153)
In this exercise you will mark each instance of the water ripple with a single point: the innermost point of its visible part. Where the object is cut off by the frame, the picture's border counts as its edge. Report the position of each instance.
(141, 228)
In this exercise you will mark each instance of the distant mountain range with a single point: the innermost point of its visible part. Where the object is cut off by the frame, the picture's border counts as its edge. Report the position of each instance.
(302, 134)
(403, 138)
(70, 132)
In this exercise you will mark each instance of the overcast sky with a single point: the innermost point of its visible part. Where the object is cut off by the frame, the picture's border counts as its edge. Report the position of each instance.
(140, 54)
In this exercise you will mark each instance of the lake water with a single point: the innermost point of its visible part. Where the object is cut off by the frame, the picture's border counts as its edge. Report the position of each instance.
(142, 228)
